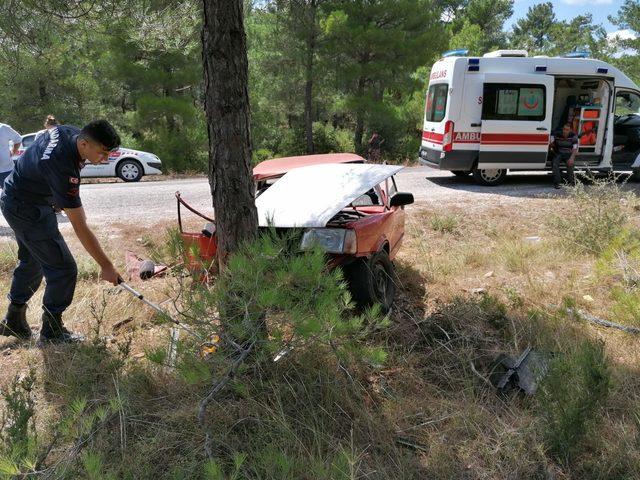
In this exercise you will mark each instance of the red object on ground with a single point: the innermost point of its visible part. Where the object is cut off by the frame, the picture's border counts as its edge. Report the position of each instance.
(133, 263)
(200, 248)
(279, 166)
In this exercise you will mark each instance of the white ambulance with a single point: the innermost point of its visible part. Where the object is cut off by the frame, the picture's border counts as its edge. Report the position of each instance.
(488, 115)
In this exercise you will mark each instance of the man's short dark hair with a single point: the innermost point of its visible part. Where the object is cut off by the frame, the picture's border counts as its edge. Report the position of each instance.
(102, 132)
(567, 125)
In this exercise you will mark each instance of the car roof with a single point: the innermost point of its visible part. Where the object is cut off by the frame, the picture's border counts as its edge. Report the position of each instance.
(279, 166)
(311, 196)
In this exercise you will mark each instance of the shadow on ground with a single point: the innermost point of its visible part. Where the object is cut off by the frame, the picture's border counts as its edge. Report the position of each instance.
(536, 185)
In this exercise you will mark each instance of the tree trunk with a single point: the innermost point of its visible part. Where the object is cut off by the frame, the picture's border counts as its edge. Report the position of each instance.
(359, 131)
(224, 55)
(308, 87)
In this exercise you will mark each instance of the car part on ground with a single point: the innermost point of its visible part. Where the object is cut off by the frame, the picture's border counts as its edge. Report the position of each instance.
(523, 373)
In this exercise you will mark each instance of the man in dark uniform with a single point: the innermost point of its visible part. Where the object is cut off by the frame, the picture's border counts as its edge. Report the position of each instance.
(564, 148)
(47, 175)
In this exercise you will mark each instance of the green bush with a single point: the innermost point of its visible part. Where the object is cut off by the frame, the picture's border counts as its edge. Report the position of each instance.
(575, 388)
(619, 265)
(602, 212)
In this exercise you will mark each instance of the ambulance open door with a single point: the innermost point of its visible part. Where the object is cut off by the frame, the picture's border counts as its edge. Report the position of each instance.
(516, 121)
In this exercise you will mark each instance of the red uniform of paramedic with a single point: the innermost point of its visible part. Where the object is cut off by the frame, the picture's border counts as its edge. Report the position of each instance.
(564, 148)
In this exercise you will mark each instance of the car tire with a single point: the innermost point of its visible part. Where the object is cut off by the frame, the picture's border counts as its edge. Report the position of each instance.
(461, 173)
(490, 177)
(129, 170)
(372, 281)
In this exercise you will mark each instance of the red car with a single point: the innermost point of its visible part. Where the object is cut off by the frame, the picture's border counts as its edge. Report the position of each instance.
(352, 211)
(266, 173)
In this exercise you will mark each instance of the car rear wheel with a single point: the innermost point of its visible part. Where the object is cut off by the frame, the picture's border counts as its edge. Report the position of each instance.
(461, 173)
(130, 170)
(490, 176)
(372, 281)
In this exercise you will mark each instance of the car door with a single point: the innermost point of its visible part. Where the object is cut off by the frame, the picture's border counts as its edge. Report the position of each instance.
(516, 121)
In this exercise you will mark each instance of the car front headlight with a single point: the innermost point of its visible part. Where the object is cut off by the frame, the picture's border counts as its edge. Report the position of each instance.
(331, 240)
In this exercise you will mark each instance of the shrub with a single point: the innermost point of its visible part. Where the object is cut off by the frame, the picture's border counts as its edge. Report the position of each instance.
(601, 214)
(576, 386)
(620, 264)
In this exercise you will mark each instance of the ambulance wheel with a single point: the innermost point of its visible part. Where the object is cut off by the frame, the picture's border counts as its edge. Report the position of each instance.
(490, 176)
(372, 281)
(130, 170)
(461, 173)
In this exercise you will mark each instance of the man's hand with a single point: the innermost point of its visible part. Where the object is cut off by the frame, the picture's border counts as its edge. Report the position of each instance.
(110, 274)
(91, 245)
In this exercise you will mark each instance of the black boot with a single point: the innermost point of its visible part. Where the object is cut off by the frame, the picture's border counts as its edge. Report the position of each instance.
(15, 322)
(53, 330)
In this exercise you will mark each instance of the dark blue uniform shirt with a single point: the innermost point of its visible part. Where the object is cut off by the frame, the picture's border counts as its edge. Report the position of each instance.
(48, 172)
(565, 145)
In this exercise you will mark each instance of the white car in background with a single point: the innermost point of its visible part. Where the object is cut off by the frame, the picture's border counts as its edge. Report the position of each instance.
(128, 164)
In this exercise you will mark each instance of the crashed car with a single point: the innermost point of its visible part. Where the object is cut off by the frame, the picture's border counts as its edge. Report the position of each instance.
(266, 173)
(354, 212)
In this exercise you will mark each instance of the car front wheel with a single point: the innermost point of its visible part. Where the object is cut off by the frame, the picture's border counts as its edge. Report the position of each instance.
(130, 170)
(372, 281)
(490, 176)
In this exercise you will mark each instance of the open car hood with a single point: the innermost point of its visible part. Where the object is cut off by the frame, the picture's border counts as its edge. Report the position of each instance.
(311, 196)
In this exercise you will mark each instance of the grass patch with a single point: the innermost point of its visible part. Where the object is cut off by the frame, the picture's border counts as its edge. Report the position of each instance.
(8, 257)
(446, 223)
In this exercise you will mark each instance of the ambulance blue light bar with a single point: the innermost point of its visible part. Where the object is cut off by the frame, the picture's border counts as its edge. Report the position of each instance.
(474, 61)
(576, 55)
(455, 53)
(603, 70)
(474, 68)
(541, 68)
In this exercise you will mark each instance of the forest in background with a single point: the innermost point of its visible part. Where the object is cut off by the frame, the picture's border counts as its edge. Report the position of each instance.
(324, 74)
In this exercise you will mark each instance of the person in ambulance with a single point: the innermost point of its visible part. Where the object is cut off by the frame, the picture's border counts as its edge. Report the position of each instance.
(564, 147)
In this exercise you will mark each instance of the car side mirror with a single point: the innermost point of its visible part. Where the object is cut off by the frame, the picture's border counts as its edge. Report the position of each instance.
(400, 199)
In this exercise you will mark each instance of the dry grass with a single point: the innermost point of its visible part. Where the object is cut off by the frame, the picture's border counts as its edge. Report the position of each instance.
(428, 413)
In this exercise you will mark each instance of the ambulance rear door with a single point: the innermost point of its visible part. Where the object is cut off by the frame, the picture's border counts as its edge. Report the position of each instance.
(516, 121)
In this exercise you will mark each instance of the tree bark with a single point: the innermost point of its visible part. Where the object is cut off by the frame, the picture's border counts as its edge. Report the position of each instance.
(224, 55)
(308, 87)
(359, 130)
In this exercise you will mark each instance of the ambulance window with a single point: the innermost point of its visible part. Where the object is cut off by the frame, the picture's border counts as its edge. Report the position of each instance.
(502, 101)
(436, 102)
(627, 103)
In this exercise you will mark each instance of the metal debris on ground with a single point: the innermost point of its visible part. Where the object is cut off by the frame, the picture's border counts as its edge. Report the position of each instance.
(523, 372)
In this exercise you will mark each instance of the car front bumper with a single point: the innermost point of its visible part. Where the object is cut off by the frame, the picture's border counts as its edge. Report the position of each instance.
(153, 168)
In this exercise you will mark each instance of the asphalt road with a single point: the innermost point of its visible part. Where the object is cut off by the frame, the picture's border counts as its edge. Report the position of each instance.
(153, 201)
